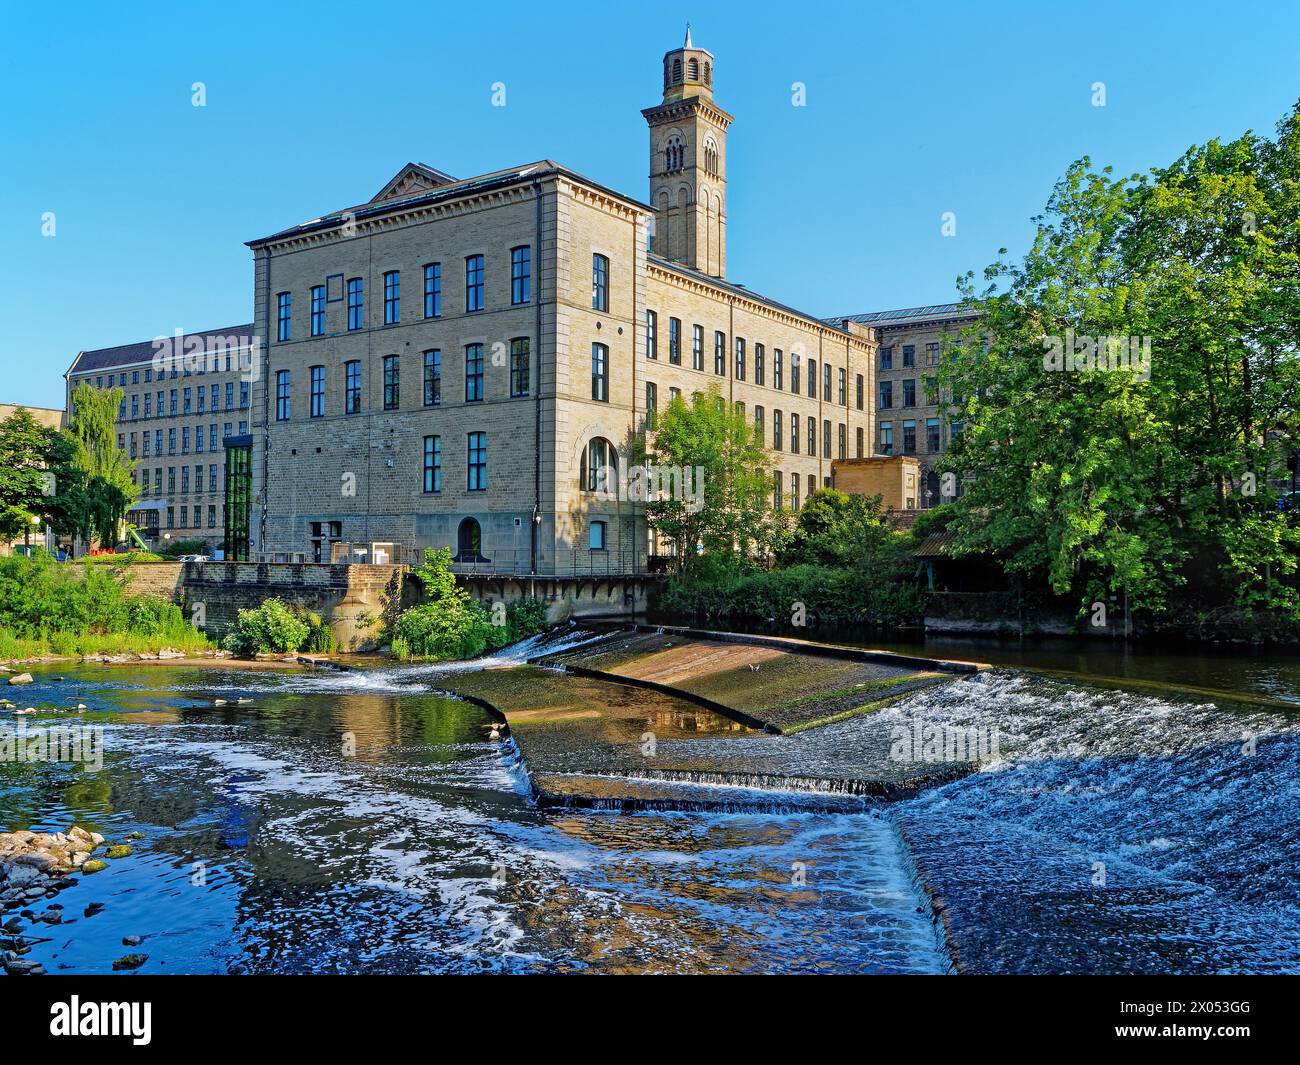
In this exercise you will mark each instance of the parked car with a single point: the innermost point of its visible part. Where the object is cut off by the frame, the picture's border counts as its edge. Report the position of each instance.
(193, 558)
(1289, 501)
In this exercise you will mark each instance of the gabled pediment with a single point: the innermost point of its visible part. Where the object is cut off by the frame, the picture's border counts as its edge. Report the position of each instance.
(411, 180)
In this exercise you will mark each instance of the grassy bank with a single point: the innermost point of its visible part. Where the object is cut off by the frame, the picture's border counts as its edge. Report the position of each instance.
(51, 609)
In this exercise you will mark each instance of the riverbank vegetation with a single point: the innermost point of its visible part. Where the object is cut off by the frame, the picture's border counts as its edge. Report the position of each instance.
(1130, 397)
(274, 627)
(52, 608)
(451, 625)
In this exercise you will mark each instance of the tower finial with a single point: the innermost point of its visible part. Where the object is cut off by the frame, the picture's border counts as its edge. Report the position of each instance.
(688, 36)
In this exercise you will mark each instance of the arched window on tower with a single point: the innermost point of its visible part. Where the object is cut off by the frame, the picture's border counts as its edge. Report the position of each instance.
(708, 73)
(677, 71)
(693, 69)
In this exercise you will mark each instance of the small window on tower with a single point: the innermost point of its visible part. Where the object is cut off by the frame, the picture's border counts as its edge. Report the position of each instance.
(693, 69)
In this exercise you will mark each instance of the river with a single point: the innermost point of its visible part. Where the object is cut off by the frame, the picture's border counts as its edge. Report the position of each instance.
(361, 822)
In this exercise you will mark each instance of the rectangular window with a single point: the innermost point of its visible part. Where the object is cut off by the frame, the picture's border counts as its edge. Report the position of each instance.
(886, 395)
(230, 395)
(651, 335)
(843, 393)
(476, 459)
(760, 429)
(909, 438)
(932, 354)
(858, 386)
(596, 535)
(433, 464)
(826, 439)
(212, 438)
(432, 378)
(473, 373)
(760, 357)
(931, 386)
(843, 450)
(317, 392)
(144, 444)
(521, 274)
(777, 429)
(157, 441)
(171, 482)
(282, 395)
(356, 304)
(198, 438)
(651, 404)
(776, 490)
(171, 402)
(157, 481)
(599, 283)
(135, 407)
(474, 283)
(720, 353)
(794, 434)
(600, 373)
(171, 441)
(932, 442)
(284, 305)
(794, 491)
(392, 297)
(794, 374)
(317, 310)
(519, 369)
(433, 290)
(187, 400)
(202, 394)
(392, 382)
(861, 442)
(740, 358)
(352, 386)
(887, 358)
(675, 341)
(909, 355)
(212, 514)
(185, 480)
(148, 404)
(812, 378)
(777, 369)
(812, 436)
(697, 347)
(909, 392)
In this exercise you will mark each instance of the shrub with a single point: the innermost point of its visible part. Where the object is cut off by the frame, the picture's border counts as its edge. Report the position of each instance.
(320, 640)
(272, 627)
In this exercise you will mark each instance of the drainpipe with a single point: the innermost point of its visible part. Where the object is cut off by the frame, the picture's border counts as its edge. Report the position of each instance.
(535, 519)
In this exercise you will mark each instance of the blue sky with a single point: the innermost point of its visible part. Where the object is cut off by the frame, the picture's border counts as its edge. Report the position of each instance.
(835, 207)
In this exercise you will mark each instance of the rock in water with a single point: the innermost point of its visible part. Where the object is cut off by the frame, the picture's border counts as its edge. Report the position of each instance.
(21, 678)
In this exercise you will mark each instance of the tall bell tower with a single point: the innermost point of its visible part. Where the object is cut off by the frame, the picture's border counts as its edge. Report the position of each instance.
(688, 164)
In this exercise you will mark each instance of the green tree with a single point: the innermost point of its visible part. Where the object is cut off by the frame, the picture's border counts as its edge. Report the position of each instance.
(110, 489)
(838, 529)
(25, 447)
(1147, 480)
(725, 504)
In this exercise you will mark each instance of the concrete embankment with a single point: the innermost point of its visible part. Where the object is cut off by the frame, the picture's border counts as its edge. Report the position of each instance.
(642, 719)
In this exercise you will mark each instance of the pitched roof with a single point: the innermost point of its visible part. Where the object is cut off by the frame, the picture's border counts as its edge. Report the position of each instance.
(935, 312)
(741, 290)
(447, 191)
(141, 351)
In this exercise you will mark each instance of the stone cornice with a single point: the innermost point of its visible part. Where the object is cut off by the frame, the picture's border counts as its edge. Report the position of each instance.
(750, 303)
(688, 108)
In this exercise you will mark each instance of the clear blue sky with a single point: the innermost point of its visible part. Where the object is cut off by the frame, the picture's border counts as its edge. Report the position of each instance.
(912, 110)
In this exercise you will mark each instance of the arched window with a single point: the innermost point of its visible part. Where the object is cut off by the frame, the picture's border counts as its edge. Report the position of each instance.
(677, 71)
(600, 466)
(469, 542)
(693, 69)
(708, 73)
